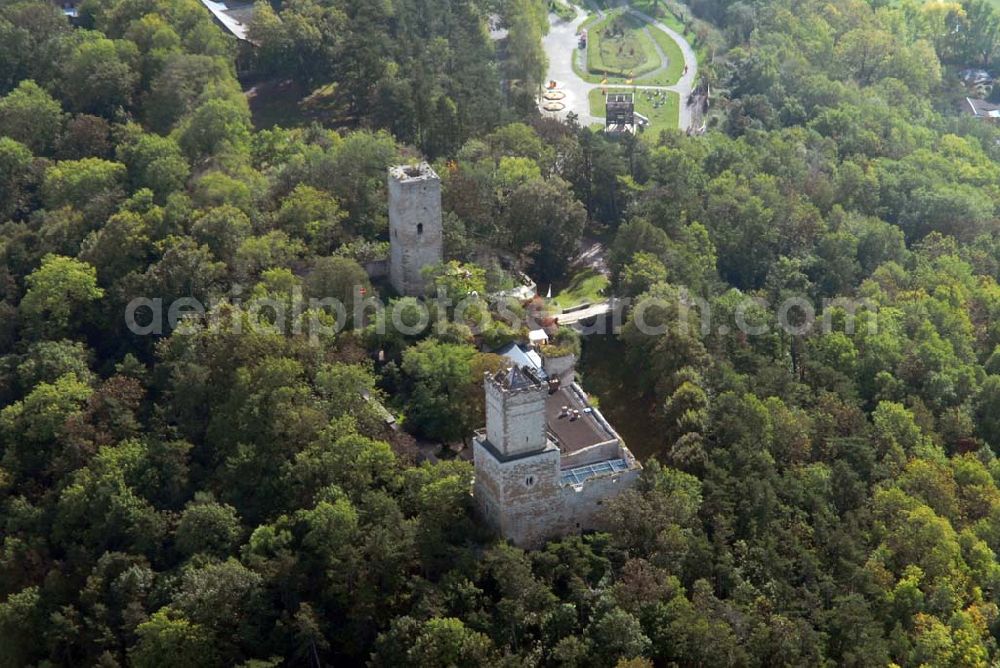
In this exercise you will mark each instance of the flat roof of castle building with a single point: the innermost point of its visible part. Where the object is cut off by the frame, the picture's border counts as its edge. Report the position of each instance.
(572, 435)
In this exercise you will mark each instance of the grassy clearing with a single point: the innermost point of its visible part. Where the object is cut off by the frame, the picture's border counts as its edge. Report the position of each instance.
(659, 10)
(666, 116)
(585, 287)
(562, 9)
(675, 58)
(591, 72)
(654, 8)
(618, 46)
(276, 103)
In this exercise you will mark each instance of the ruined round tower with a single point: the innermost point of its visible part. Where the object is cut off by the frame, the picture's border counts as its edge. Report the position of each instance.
(416, 237)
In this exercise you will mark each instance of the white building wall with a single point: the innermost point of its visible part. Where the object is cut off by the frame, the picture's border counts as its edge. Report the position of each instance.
(563, 367)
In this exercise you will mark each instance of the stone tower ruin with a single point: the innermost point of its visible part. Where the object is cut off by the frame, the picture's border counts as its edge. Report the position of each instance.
(416, 237)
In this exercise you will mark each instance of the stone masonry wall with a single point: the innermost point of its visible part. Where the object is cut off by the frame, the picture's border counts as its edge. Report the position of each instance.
(562, 367)
(520, 499)
(581, 508)
(415, 230)
(523, 501)
(515, 421)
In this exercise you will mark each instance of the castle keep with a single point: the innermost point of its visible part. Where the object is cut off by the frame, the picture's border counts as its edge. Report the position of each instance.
(546, 461)
(416, 239)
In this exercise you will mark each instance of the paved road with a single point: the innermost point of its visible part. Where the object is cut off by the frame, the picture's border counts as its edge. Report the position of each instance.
(590, 312)
(561, 46)
(686, 84)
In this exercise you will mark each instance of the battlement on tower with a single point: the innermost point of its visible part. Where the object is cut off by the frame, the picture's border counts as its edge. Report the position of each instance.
(515, 411)
(516, 380)
(416, 233)
(413, 173)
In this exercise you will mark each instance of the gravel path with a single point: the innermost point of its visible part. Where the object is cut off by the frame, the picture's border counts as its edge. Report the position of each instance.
(561, 46)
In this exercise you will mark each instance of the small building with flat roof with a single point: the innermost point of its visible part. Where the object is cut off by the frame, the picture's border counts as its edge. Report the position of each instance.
(619, 113)
(538, 337)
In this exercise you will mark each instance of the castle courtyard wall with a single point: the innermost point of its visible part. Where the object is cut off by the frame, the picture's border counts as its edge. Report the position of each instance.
(529, 515)
(521, 498)
(582, 505)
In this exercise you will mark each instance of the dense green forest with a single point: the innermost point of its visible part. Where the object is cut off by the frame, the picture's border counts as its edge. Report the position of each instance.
(426, 70)
(224, 494)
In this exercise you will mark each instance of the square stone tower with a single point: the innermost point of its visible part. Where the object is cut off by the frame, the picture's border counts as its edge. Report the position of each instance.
(515, 412)
(416, 238)
(517, 488)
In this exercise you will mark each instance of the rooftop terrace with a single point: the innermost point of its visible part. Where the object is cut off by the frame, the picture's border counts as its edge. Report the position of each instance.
(620, 99)
(573, 434)
(518, 378)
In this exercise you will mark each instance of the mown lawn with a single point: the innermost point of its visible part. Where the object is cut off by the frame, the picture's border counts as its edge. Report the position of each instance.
(664, 117)
(618, 46)
(675, 58)
(666, 17)
(562, 9)
(615, 68)
(585, 287)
